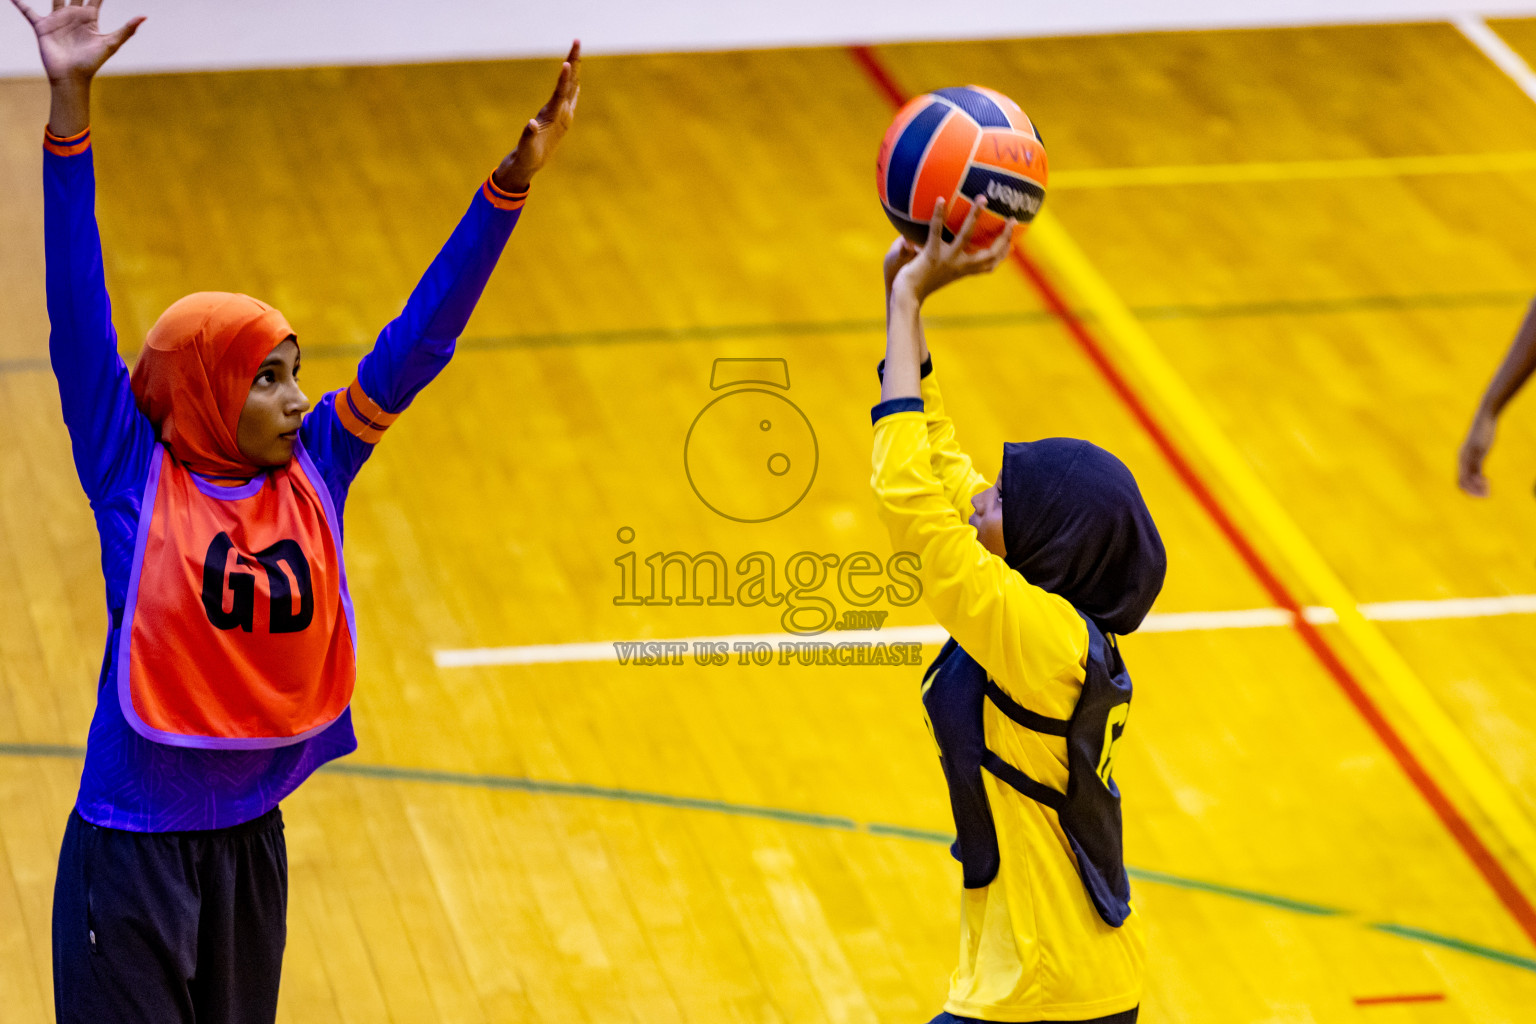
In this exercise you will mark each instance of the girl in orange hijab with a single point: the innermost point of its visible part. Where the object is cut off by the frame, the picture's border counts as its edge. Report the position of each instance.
(230, 658)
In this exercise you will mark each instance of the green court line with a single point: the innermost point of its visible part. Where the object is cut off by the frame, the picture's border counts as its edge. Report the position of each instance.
(922, 835)
(521, 784)
(1021, 318)
(40, 750)
(1248, 895)
(1420, 935)
(634, 796)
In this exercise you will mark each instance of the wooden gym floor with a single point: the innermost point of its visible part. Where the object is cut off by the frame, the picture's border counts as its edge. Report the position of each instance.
(1322, 233)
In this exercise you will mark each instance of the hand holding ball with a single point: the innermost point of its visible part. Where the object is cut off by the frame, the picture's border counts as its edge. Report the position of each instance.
(957, 144)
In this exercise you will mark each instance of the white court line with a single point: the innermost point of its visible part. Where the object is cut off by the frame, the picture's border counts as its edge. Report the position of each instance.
(1167, 622)
(1188, 622)
(1498, 51)
(1451, 608)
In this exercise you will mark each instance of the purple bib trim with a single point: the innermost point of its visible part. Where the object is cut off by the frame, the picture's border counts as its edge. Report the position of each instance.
(227, 492)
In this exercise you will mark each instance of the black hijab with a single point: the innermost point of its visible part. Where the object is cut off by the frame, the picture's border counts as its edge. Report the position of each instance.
(1075, 524)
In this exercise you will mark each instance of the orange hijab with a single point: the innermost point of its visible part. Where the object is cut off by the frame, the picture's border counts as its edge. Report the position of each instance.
(196, 370)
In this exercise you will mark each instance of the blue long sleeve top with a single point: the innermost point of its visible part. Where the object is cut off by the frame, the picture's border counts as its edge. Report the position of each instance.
(130, 782)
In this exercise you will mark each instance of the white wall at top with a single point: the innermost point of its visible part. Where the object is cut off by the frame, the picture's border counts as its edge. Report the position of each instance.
(212, 34)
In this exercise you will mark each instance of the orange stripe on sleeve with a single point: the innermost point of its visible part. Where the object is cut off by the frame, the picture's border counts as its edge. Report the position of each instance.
(502, 199)
(72, 146)
(361, 415)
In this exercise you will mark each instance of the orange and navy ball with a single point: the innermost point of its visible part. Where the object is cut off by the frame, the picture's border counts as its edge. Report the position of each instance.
(957, 144)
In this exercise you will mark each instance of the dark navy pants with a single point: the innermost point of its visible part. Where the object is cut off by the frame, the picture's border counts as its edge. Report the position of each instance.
(1127, 1017)
(170, 927)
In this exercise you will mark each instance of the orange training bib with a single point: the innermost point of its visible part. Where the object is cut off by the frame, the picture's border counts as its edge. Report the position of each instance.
(239, 628)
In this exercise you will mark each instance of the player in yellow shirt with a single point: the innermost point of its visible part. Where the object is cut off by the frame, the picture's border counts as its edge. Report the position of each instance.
(1032, 577)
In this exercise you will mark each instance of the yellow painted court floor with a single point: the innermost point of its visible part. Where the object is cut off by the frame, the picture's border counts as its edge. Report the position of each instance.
(1303, 252)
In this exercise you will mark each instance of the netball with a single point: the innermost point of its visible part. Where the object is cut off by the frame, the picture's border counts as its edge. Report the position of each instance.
(956, 144)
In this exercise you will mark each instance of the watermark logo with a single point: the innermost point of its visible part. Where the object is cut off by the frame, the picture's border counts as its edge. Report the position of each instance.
(653, 653)
(816, 591)
(750, 454)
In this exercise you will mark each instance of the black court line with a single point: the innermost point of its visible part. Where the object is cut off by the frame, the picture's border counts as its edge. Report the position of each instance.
(867, 325)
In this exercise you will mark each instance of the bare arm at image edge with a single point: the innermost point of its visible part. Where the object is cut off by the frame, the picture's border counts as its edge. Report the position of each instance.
(1513, 372)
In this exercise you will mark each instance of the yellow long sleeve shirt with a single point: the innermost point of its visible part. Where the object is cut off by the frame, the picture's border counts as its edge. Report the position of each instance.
(1032, 946)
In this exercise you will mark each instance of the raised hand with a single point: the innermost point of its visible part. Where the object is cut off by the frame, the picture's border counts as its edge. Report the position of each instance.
(70, 42)
(542, 134)
(939, 262)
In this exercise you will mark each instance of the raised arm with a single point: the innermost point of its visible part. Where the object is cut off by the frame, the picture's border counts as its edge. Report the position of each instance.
(1027, 639)
(417, 344)
(104, 423)
(953, 467)
(1512, 373)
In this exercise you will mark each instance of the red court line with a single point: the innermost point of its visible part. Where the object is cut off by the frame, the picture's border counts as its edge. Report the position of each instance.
(1427, 997)
(1471, 844)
